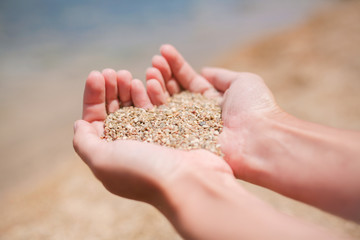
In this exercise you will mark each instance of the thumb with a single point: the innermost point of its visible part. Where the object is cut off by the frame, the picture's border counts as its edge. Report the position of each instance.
(220, 78)
(247, 96)
(86, 140)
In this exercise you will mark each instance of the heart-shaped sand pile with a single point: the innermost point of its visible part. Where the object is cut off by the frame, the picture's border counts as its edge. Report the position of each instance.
(188, 121)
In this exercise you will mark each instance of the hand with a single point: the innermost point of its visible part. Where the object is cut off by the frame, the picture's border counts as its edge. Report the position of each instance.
(264, 145)
(244, 96)
(119, 165)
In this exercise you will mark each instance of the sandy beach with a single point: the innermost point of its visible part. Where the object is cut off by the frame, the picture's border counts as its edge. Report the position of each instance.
(312, 68)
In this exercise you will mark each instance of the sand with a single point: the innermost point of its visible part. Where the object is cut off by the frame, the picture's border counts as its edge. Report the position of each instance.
(313, 70)
(187, 121)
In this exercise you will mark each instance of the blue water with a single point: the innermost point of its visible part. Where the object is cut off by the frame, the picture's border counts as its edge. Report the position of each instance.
(25, 19)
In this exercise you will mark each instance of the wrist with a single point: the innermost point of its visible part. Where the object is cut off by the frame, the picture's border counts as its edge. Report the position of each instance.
(203, 205)
(300, 159)
(277, 151)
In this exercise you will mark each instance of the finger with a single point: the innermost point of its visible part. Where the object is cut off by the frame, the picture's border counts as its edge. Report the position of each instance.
(160, 63)
(154, 73)
(219, 78)
(183, 72)
(111, 96)
(86, 141)
(139, 95)
(155, 92)
(94, 108)
(124, 87)
(247, 95)
(173, 87)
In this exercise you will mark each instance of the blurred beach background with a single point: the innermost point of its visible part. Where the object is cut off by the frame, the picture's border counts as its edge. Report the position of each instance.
(307, 51)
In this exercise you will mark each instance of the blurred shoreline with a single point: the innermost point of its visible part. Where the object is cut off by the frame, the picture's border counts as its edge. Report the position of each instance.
(312, 68)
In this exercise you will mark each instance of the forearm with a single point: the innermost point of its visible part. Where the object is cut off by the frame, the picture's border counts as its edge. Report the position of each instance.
(217, 207)
(308, 162)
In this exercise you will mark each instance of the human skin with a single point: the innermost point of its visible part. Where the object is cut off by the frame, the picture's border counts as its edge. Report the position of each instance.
(195, 190)
(263, 144)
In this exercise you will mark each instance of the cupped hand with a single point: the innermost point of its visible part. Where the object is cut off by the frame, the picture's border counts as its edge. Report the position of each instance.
(131, 169)
(244, 97)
